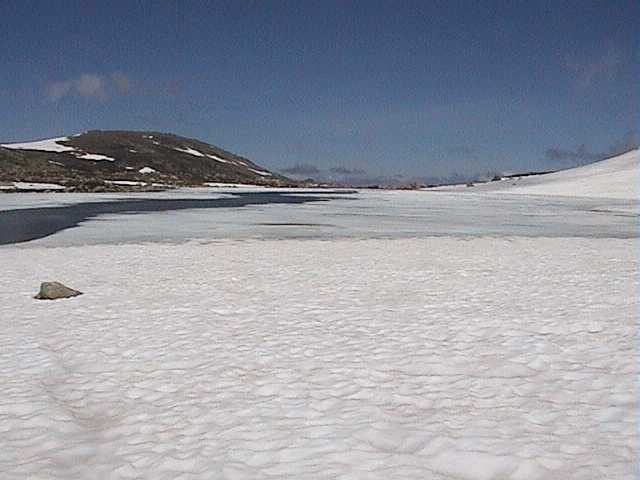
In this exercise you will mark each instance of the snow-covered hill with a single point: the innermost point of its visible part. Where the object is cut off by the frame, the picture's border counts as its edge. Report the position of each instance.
(615, 177)
(95, 160)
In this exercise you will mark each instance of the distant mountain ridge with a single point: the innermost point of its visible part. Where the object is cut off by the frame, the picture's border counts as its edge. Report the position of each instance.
(113, 160)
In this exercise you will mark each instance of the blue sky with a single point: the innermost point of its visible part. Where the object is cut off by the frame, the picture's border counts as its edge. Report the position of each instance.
(414, 88)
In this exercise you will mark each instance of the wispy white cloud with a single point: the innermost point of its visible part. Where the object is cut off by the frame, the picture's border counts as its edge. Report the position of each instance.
(57, 90)
(90, 86)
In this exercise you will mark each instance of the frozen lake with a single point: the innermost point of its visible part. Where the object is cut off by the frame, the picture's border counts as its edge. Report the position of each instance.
(167, 216)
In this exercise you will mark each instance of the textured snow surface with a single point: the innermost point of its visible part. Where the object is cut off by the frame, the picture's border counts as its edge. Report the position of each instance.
(434, 358)
(47, 145)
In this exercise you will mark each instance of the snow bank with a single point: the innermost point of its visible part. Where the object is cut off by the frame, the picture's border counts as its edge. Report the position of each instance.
(47, 145)
(429, 359)
(131, 183)
(37, 186)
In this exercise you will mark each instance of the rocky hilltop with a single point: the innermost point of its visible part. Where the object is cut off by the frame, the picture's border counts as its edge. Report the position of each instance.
(125, 160)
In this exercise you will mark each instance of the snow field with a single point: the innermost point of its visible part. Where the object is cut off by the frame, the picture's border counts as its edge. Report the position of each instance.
(439, 358)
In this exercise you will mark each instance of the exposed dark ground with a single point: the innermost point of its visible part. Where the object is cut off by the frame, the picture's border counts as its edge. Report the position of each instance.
(28, 224)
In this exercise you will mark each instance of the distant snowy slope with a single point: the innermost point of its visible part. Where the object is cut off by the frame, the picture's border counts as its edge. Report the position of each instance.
(46, 145)
(615, 177)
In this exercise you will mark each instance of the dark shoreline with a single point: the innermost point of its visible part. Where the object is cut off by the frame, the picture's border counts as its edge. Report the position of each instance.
(24, 225)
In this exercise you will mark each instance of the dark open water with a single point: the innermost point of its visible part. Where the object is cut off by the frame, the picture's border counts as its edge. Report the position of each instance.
(28, 224)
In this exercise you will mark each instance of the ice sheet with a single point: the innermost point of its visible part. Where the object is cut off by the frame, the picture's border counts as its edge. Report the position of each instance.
(367, 214)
